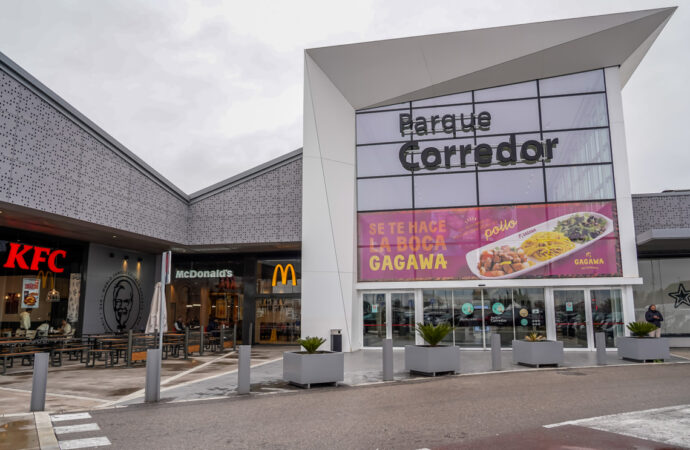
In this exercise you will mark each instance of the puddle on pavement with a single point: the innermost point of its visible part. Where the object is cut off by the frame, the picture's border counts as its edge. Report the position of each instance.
(18, 434)
(123, 391)
(569, 372)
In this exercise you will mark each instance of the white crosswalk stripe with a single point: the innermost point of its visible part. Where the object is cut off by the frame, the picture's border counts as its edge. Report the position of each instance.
(82, 427)
(84, 443)
(69, 417)
(65, 430)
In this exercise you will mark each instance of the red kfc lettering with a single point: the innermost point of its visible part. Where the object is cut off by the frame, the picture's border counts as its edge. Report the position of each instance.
(38, 256)
(17, 256)
(51, 260)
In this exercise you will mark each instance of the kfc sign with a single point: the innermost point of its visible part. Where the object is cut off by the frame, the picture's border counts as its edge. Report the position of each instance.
(28, 257)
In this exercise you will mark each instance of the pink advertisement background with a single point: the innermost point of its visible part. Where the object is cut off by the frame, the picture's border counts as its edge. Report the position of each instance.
(465, 230)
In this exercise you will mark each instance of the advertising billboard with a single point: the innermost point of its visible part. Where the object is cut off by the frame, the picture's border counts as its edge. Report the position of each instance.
(514, 181)
(522, 241)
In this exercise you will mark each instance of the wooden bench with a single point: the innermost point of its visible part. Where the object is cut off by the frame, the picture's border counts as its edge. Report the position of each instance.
(27, 359)
(72, 352)
(107, 354)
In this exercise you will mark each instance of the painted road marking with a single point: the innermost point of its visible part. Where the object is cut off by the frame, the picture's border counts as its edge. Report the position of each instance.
(669, 425)
(77, 428)
(83, 443)
(65, 417)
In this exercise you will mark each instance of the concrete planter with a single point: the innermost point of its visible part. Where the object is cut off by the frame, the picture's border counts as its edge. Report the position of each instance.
(643, 349)
(432, 360)
(303, 369)
(537, 353)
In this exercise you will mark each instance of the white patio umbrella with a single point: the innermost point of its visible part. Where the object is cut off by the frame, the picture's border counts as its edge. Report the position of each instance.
(152, 323)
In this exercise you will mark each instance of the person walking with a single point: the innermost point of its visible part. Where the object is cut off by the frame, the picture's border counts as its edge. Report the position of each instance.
(655, 318)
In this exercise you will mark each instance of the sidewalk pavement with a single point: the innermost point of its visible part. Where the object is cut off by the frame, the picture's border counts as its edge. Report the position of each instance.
(76, 388)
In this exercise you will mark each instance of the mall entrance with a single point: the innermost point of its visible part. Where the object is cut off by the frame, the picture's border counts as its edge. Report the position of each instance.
(572, 316)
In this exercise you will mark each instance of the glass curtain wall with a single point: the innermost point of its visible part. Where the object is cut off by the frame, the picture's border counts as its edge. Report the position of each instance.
(374, 317)
(571, 323)
(468, 318)
(438, 308)
(607, 314)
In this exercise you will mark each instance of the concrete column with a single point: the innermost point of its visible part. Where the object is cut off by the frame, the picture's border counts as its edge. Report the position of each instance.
(243, 363)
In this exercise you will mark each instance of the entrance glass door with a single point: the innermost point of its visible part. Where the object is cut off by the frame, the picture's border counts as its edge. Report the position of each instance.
(468, 317)
(607, 314)
(500, 314)
(374, 319)
(571, 318)
(403, 326)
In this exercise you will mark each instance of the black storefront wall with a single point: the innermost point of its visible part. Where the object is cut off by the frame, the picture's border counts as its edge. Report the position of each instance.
(192, 273)
(54, 261)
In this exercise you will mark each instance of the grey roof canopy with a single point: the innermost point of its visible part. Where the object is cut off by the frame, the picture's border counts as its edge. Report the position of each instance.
(433, 65)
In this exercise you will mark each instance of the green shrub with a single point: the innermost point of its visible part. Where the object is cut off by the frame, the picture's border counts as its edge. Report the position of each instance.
(311, 344)
(433, 334)
(534, 337)
(641, 329)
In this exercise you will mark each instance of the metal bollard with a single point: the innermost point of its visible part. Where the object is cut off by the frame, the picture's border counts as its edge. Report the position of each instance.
(388, 360)
(186, 343)
(495, 352)
(243, 363)
(39, 382)
(152, 393)
(251, 333)
(201, 341)
(130, 345)
(234, 337)
(600, 340)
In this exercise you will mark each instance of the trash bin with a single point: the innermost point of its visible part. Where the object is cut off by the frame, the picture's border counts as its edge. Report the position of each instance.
(337, 340)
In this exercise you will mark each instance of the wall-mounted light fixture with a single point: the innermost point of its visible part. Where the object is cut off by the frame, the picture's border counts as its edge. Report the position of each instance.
(140, 259)
(126, 258)
(112, 255)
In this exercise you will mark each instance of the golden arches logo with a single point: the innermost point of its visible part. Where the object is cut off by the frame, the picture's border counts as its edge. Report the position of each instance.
(284, 272)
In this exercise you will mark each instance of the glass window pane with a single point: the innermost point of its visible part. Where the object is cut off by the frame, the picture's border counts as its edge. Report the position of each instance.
(444, 190)
(438, 308)
(571, 325)
(459, 111)
(579, 183)
(494, 141)
(374, 319)
(530, 315)
(384, 193)
(573, 84)
(403, 326)
(581, 147)
(519, 90)
(452, 99)
(404, 105)
(377, 128)
(376, 160)
(454, 159)
(468, 317)
(500, 315)
(578, 111)
(607, 314)
(519, 116)
(511, 186)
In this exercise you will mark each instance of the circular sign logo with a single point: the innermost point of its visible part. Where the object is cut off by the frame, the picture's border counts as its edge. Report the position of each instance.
(524, 312)
(498, 308)
(523, 322)
(121, 302)
(467, 308)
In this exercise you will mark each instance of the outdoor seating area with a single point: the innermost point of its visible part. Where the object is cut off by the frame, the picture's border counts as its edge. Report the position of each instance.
(110, 350)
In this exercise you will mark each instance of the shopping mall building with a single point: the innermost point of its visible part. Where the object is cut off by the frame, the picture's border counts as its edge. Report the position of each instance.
(478, 178)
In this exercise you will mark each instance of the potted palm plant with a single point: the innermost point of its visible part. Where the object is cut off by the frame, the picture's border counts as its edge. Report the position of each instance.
(641, 347)
(432, 358)
(313, 366)
(535, 350)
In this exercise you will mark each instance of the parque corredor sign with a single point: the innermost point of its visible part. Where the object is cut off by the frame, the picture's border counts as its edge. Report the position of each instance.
(20, 255)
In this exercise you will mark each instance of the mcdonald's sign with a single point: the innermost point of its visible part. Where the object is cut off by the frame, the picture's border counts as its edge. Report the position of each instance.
(284, 272)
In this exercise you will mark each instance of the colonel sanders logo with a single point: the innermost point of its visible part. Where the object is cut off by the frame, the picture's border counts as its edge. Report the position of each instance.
(121, 303)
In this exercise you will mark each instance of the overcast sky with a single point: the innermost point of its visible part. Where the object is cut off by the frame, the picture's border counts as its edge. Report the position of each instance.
(203, 90)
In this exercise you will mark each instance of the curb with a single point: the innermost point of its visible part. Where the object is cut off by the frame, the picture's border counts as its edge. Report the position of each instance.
(44, 427)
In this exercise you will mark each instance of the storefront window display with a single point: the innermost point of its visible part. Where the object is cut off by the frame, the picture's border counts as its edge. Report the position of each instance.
(258, 296)
(666, 285)
(40, 283)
